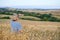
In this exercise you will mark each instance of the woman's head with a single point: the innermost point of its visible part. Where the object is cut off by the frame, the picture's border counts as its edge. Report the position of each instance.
(15, 17)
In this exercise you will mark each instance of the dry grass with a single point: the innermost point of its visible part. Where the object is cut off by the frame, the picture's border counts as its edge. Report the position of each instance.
(31, 31)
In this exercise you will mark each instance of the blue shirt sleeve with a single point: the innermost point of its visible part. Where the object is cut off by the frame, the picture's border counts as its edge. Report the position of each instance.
(19, 26)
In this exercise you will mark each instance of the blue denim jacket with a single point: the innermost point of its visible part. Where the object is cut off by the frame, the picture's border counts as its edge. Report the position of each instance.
(15, 26)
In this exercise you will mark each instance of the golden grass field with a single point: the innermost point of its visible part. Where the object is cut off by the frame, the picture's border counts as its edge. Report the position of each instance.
(32, 30)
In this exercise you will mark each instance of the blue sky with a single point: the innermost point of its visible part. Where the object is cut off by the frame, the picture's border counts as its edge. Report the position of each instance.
(30, 3)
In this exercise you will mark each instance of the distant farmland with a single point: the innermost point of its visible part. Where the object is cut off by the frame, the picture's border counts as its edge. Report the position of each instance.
(55, 13)
(33, 28)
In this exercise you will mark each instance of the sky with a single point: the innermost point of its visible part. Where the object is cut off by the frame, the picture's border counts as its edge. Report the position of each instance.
(49, 4)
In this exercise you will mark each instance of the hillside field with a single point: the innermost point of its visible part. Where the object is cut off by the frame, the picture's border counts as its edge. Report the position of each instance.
(32, 30)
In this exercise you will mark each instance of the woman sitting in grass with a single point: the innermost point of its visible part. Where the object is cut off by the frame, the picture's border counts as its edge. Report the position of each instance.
(15, 25)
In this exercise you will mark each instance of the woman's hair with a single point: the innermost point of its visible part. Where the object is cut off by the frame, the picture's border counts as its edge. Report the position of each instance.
(14, 16)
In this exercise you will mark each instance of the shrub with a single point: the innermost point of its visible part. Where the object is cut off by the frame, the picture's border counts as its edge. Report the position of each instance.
(48, 17)
(6, 13)
(5, 18)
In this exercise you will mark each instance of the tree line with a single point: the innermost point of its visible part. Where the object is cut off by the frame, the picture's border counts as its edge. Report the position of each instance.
(43, 17)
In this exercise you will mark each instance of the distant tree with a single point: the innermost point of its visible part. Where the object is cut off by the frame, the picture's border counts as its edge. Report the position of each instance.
(48, 17)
